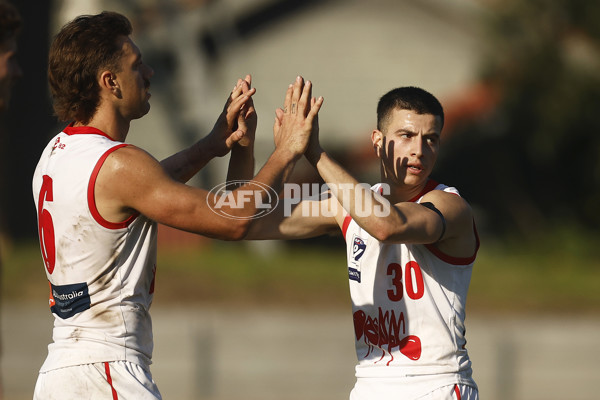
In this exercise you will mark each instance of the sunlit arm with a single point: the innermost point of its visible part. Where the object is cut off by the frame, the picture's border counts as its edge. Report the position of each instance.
(298, 220)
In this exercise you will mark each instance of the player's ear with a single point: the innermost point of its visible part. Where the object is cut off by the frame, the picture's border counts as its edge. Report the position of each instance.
(108, 82)
(377, 139)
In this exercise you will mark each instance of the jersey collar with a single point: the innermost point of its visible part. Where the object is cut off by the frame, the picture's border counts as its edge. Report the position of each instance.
(429, 186)
(84, 130)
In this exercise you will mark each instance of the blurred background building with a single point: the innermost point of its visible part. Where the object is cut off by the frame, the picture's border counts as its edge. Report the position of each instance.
(353, 51)
(519, 80)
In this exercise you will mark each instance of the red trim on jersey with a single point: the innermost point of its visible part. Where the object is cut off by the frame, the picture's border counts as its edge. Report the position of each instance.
(429, 186)
(457, 392)
(455, 260)
(85, 130)
(92, 199)
(109, 380)
(345, 224)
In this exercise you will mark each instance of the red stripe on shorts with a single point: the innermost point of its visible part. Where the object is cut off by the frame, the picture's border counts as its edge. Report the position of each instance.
(457, 392)
(109, 380)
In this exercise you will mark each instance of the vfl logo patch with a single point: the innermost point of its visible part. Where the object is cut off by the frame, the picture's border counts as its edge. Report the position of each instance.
(68, 300)
(358, 250)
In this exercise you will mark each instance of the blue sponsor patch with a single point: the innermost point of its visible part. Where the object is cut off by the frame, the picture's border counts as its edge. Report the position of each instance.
(354, 274)
(70, 299)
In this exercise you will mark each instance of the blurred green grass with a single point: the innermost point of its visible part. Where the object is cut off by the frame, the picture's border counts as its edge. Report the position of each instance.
(558, 272)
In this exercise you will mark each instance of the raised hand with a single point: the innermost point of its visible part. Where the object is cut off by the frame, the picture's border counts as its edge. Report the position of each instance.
(236, 119)
(247, 119)
(295, 122)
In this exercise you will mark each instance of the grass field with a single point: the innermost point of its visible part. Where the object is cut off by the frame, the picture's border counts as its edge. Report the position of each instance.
(556, 274)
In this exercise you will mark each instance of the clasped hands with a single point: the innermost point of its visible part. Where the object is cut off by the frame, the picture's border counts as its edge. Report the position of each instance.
(296, 124)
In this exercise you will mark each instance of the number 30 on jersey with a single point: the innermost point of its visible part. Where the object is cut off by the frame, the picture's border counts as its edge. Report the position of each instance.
(413, 281)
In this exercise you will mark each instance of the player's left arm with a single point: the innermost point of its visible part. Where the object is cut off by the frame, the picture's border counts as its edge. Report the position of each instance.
(226, 132)
(441, 218)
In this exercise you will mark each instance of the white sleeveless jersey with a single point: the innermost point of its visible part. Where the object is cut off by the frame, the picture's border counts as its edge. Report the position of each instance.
(101, 274)
(409, 309)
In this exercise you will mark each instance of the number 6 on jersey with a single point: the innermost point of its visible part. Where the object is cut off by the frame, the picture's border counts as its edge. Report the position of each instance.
(46, 226)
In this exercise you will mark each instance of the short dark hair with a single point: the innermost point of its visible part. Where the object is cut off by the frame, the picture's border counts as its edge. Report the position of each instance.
(10, 21)
(407, 98)
(82, 48)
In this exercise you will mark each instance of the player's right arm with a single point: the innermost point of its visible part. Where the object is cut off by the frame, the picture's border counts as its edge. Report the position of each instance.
(131, 180)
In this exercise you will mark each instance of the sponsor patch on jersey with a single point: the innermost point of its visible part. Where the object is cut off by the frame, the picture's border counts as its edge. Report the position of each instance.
(359, 246)
(68, 300)
(354, 274)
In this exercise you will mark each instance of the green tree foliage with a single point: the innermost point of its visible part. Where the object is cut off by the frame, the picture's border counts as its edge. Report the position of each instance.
(533, 159)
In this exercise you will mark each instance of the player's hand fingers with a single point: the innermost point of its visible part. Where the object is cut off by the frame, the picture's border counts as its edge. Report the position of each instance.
(304, 98)
(314, 110)
(296, 93)
(235, 93)
(277, 123)
(279, 115)
(287, 101)
(236, 104)
(234, 138)
(248, 79)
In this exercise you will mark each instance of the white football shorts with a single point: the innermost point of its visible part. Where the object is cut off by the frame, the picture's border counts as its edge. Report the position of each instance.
(390, 389)
(453, 392)
(103, 381)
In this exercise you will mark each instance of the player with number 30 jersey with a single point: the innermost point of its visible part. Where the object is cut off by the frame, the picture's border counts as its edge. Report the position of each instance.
(408, 305)
(411, 244)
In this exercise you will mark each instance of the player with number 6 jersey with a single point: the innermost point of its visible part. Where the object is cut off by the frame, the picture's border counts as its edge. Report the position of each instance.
(99, 201)
(109, 266)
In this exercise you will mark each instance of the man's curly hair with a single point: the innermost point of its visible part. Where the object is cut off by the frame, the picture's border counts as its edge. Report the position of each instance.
(80, 51)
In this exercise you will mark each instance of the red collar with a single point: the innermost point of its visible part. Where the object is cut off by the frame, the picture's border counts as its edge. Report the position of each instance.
(84, 130)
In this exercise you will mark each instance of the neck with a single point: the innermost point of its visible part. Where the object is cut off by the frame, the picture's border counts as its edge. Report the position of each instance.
(115, 127)
(399, 191)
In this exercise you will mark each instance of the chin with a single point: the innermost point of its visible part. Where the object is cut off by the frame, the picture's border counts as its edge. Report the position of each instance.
(143, 112)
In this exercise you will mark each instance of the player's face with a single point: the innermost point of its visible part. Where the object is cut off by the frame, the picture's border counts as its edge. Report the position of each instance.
(408, 147)
(9, 70)
(134, 80)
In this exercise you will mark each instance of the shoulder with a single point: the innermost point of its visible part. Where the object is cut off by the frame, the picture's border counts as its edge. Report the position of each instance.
(126, 152)
(460, 238)
(448, 200)
(129, 169)
(455, 210)
(129, 158)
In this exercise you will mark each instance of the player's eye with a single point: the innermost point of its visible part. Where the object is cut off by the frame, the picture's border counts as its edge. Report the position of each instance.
(432, 139)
